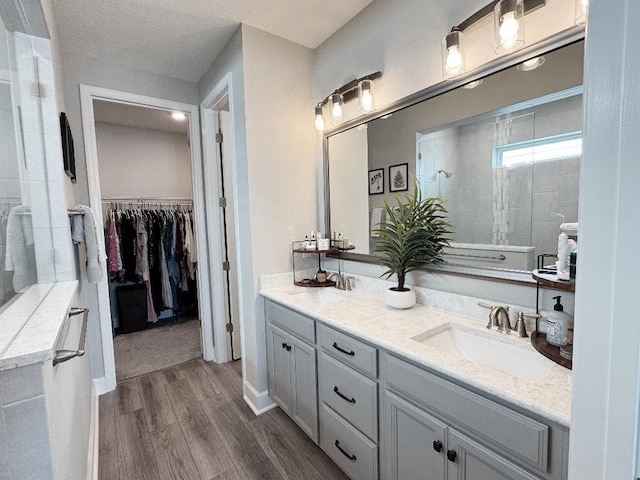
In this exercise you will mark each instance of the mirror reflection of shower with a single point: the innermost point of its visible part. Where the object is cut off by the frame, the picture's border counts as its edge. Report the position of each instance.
(446, 175)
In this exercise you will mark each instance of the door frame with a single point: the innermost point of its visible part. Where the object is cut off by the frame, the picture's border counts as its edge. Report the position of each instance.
(87, 95)
(220, 94)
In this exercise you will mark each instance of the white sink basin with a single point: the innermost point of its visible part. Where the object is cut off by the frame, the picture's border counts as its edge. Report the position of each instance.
(490, 349)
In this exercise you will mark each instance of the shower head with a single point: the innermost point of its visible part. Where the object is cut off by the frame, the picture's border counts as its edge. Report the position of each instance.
(446, 174)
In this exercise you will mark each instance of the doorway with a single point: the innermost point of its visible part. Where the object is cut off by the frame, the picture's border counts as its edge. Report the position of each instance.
(202, 280)
(147, 204)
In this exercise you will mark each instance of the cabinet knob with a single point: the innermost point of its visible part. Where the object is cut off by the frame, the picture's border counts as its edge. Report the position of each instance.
(284, 345)
(451, 455)
(437, 445)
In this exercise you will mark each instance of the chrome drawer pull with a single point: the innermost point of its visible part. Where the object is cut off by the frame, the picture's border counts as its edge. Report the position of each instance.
(343, 396)
(350, 457)
(351, 353)
(64, 355)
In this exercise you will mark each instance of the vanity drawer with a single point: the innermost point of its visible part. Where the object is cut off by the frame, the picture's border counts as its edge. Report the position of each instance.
(509, 432)
(291, 321)
(349, 350)
(352, 451)
(351, 394)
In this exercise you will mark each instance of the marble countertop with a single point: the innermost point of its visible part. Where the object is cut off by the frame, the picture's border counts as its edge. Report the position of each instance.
(366, 316)
(42, 313)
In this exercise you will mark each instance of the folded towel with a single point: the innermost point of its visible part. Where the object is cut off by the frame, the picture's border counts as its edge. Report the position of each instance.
(377, 218)
(84, 231)
(20, 254)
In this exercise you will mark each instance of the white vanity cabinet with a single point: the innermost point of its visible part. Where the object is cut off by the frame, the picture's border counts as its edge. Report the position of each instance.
(348, 390)
(291, 366)
(378, 415)
(434, 429)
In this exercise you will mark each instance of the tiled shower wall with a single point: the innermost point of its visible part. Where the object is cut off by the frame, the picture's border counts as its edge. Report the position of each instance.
(537, 192)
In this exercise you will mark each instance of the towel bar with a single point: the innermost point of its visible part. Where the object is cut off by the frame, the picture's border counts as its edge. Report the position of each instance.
(64, 355)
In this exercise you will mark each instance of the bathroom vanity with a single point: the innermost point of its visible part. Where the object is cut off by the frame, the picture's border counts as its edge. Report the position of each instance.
(46, 400)
(386, 396)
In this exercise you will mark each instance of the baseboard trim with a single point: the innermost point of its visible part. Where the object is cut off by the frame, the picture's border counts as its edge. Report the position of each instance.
(94, 436)
(259, 402)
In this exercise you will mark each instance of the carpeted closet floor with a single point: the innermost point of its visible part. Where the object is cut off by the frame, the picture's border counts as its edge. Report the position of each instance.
(156, 348)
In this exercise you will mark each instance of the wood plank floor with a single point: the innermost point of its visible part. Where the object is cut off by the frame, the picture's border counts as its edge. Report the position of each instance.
(189, 422)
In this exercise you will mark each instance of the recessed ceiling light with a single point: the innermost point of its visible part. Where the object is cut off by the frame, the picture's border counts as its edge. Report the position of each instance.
(530, 64)
(179, 116)
(473, 84)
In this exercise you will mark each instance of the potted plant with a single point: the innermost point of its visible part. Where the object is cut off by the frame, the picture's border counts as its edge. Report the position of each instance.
(414, 233)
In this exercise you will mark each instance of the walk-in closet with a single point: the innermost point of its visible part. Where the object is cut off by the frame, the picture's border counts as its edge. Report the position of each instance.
(150, 236)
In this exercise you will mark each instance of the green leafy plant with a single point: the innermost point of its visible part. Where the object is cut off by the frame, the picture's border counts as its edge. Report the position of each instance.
(415, 233)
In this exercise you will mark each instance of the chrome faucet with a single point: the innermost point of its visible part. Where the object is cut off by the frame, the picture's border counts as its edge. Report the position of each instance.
(339, 278)
(342, 282)
(498, 317)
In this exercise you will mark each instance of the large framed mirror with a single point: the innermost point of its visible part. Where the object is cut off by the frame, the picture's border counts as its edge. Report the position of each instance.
(502, 148)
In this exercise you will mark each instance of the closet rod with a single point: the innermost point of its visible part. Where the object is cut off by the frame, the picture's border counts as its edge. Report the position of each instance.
(146, 199)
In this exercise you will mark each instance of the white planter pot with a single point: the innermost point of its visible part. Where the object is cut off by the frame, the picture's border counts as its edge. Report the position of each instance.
(400, 299)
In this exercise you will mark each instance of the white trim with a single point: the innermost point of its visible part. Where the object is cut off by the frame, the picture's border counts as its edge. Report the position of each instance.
(259, 402)
(94, 436)
(87, 95)
(223, 91)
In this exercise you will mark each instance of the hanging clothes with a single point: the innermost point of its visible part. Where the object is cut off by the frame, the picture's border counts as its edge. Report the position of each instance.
(155, 244)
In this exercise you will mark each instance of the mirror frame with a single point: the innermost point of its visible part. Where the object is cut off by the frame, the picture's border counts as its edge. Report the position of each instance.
(564, 38)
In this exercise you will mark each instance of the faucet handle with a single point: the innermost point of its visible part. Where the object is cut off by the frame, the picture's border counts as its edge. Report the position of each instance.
(347, 282)
(521, 327)
(485, 305)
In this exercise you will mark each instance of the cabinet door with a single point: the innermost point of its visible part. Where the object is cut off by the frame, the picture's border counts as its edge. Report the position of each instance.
(469, 460)
(304, 389)
(279, 367)
(414, 442)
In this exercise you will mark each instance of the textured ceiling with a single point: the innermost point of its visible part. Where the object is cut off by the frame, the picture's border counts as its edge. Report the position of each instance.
(180, 39)
(135, 116)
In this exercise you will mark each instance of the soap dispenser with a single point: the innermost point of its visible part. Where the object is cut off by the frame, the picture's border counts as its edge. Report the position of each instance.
(558, 324)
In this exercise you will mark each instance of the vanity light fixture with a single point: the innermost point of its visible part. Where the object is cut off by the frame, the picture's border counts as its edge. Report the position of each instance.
(319, 118)
(337, 102)
(453, 54)
(178, 116)
(509, 27)
(582, 10)
(366, 99)
(530, 64)
(509, 31)
(359, 88)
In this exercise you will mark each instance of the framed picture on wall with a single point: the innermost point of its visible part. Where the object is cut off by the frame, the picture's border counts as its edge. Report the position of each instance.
(376, 181)
(68, 154)
(398, 174)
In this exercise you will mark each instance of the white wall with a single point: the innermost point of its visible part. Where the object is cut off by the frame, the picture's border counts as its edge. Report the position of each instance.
(89, 71)
(275, 171)
(138, 162)
(604, 430)
(281, 166)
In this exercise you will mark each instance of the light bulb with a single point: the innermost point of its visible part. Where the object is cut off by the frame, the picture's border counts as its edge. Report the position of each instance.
(336, 111)
(509, 29)
(366, 101)
(336, 107)
(178, 116)
(454, 60)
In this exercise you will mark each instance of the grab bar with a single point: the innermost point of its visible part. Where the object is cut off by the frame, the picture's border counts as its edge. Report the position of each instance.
(64, 355)
(483, 257)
